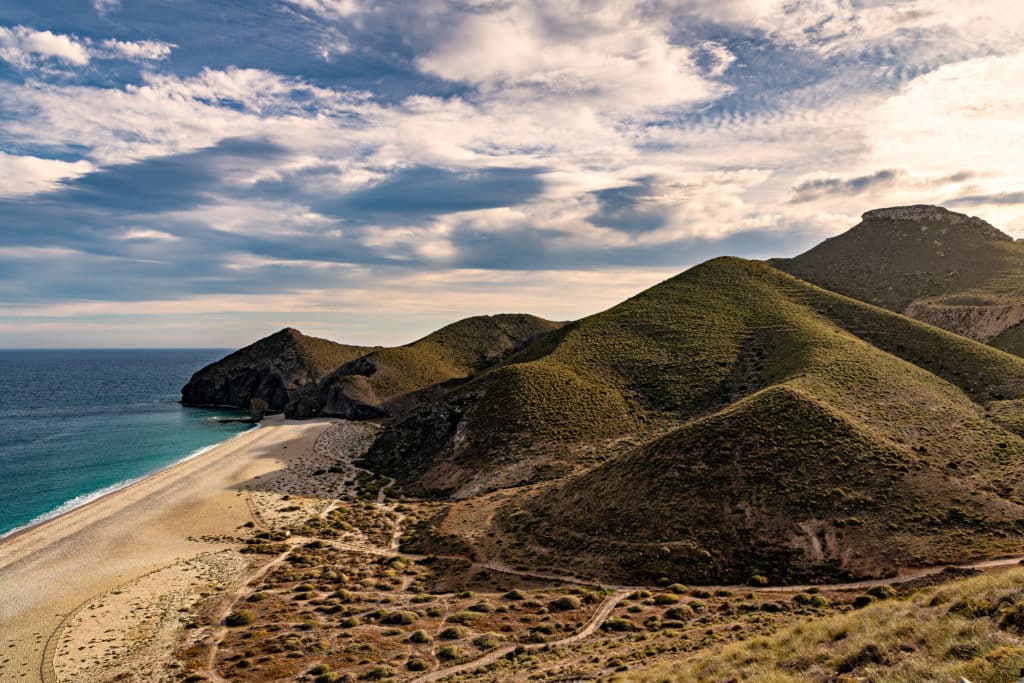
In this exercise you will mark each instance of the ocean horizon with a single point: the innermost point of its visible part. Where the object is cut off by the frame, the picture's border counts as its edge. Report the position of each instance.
(76, 424)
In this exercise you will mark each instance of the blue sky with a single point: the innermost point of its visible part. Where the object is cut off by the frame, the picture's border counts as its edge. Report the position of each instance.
(186, 173)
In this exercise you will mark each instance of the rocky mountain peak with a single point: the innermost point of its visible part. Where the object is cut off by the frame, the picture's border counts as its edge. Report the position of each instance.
(934, 216)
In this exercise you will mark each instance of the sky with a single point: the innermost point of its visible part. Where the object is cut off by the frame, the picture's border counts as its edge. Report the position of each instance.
(201, 173)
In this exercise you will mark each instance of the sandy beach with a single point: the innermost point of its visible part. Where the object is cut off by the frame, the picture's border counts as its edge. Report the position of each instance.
(90, 567)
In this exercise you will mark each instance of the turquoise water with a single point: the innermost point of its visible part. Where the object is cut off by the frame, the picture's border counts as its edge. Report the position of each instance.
(77, 424)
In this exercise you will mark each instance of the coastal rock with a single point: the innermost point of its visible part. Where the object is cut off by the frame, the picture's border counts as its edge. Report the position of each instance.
(275, 369)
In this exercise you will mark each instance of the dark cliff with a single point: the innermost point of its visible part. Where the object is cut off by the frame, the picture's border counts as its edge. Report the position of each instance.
(276, 369)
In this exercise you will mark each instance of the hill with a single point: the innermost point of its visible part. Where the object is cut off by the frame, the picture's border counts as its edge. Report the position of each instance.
(385, 380)
(948, 269)
(732, 420)
(276, 369)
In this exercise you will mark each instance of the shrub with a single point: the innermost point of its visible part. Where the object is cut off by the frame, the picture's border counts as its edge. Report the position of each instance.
(483, 607)
(349, 622)
(1013, 619)
(400, 618)
(758, 580)
(379, 672)
(869, 654)
(240, 618)
(487, 641)
(453, 633)
(619, 624)
(515, 595)
(420, 636)
(678, 588)
(882, 592)
(258, 597)
(449, 652)
(681, 613)
(820, 601)
(863, 601)
(463, 617)
(417, 664)
(972, 607)
(566, 602)
(665, 599)
(802, 598)
(319, 669)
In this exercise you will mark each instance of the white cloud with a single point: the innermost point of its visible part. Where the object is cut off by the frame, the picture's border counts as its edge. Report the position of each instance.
(22, 175)
(721, 57)
(21, 46)
(141, 50)
(148, 234)
(105, 7)
(609, 59)
(331, 9)
(26, 47)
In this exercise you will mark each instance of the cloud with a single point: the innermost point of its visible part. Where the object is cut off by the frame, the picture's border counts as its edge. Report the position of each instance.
(458, 148)
(163, 183)
(24, 175)
(1012, 198)
(105, 7)
(331, 9)
(148, 234)
(424, 191)
(819, 186)
(717, 58)
(608, 57)
(22, 46)
(26, 47)
(142, 50)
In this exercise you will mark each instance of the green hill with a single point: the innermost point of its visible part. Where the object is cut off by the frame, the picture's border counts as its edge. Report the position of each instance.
(733, 420)
(386, 380)
(276, 369)
(953, 271)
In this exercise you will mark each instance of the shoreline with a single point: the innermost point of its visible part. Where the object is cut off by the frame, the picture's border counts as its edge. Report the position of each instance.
(100, 494)
(186, 509)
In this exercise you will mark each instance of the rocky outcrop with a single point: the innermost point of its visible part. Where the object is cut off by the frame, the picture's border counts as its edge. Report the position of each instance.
(936, 217)
(981, 322)
(277, 369)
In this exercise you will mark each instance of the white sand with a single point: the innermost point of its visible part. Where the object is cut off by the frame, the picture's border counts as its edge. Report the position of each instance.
(49, 571)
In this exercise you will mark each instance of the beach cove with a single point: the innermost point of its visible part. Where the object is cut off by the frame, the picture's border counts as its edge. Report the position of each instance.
(154, 528)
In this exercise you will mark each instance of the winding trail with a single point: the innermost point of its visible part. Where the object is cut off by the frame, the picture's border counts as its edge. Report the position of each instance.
(595, 622)
(226, 609)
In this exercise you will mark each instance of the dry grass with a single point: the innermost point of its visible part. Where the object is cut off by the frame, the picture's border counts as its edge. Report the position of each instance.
(968, 629)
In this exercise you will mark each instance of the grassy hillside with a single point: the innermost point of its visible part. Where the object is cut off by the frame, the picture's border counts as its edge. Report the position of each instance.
(382, 381)
(969, 628)
(768, 426)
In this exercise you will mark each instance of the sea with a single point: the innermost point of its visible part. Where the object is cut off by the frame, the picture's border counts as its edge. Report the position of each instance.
(75, 425)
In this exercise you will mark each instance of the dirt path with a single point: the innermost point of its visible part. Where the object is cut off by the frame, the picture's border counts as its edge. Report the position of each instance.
(222, 614)
(595, 622)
